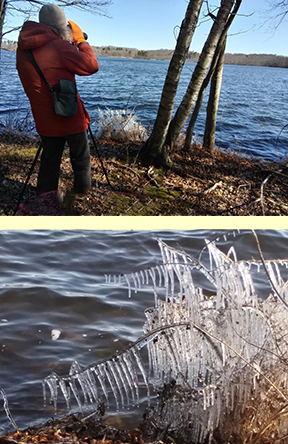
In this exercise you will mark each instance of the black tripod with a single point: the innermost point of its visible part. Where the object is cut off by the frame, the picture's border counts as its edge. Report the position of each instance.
(34, 163)
(99, 156)
(27, 180)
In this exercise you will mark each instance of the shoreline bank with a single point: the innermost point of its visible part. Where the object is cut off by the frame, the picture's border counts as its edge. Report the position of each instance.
(200, 183)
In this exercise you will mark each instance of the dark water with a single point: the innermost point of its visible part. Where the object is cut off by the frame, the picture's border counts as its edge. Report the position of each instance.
(54, 280)
(253, 106)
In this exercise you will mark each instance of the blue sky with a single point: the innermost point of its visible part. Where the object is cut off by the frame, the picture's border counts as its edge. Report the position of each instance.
(149, 24)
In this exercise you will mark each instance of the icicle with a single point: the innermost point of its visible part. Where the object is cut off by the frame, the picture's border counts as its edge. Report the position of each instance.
(101, 378)
(153, 277)
(154, 362)
(180, 273)
(126, 372)
(272, 275)
(92, 383)
(109, 376)
(223, 348)
(128, 361)
(122, 382)
(166, 282)
(77, 372)
(146, 276)
(159, 275)
(232, 252)
(129, 286)
(142, 370)
(135, 283)
(44, 392)
(138, 280)
(172, 282)
(172, 349)
(279, 278)
(75, 392)
(52, 384)
(66, 393)
(118, 381)
(149, 361)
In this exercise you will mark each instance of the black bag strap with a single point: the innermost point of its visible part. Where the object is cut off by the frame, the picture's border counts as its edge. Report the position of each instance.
(32, 59)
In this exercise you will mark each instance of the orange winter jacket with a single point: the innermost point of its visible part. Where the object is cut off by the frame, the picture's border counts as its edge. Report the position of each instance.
(57, 59)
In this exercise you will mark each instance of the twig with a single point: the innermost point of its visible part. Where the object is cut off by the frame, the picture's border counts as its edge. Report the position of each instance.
(275, 172)
(276, 147)
(262, 193)
(285, 207)
(150, 170)
(266, 271)
(218, 184)
(277, 415)
(126, 167)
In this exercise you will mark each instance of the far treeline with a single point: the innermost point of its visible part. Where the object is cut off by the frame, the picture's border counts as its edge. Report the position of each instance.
(166, 54)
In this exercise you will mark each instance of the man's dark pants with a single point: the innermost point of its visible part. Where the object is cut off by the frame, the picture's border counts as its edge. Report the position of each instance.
(51, 161)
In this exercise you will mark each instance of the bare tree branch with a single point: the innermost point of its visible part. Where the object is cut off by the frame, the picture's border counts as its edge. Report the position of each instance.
(28, 8)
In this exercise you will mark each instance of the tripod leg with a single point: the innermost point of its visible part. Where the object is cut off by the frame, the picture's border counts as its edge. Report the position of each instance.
(27, 180)
(99, 156)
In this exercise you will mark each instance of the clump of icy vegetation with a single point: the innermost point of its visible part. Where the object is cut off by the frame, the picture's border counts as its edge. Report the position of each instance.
(120, 125)
(218, 361)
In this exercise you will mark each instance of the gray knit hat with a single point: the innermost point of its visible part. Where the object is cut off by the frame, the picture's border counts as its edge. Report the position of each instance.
(53, 16)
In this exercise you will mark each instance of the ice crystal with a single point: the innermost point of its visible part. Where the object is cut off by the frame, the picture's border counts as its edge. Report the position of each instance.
(213, 355)
(120, 125)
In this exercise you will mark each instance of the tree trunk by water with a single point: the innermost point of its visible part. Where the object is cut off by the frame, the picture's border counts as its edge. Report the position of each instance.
(206, 57)
(3, 4)
(212, 107)
(197, 107)
(154, 150)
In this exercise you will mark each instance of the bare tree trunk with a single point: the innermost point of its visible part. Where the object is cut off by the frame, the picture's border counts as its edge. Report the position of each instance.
(212, 107)
(197, 107)
(190, 129)
(206, 56)
(153, 148)
(3, 4)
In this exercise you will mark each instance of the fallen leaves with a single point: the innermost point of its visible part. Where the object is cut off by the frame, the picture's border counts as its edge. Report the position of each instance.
(200, 183)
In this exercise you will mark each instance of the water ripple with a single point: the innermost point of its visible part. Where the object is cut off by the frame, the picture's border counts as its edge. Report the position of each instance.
(253, 99)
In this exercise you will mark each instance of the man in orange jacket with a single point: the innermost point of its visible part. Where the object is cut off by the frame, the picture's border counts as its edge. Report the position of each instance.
(60, 51)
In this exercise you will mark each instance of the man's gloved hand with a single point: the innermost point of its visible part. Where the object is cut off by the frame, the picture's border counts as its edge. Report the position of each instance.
(77, 33)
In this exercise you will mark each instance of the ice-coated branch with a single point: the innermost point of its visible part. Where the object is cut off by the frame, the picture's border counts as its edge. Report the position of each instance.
(211, 357)
(7, 410)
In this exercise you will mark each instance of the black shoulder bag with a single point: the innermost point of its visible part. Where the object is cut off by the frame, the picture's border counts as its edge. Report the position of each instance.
(64, 97)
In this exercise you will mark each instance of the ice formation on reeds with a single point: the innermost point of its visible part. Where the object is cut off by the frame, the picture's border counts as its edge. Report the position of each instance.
(218, 362)
(120, 125)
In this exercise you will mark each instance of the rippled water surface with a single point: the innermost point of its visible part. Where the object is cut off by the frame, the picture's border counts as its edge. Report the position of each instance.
(253, 105)
(55, 280)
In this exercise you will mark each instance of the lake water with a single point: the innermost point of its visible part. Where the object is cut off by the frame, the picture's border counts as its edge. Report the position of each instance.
(252, 113)
(55, 280)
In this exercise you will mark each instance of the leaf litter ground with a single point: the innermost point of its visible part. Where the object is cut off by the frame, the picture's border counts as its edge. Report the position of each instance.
(199, 184)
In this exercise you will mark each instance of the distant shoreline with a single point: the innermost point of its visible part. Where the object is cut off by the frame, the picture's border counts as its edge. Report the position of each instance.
(269, 60)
